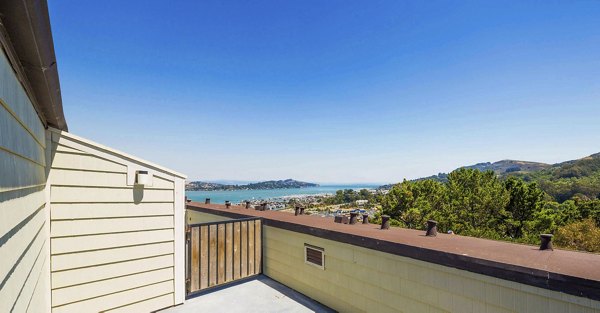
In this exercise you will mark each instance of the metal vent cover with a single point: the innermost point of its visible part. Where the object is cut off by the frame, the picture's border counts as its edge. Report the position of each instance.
(314, 256)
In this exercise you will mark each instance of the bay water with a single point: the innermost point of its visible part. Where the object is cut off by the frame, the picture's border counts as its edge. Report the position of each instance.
(236, 196)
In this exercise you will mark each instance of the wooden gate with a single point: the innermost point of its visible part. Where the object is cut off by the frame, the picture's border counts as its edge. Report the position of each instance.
(222, 252)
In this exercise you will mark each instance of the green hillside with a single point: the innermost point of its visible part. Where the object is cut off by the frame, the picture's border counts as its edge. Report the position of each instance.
(572, 179)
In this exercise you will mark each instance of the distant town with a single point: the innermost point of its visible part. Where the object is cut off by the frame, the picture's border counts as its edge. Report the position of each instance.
(271, 184)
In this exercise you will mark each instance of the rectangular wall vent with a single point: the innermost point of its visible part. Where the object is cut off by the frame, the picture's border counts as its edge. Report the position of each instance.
(314, 256)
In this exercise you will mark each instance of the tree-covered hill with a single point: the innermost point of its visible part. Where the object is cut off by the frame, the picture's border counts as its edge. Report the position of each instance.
(491, 202)
(578, 178)
(562, 181)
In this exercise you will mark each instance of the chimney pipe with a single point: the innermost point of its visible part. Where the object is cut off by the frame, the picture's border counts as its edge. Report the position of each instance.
(301, 210)
(247, 204)
(207, 201)
(546, 242)
(431, 228)
(353, 218)
(263, 206)
(365, 218)
(385, 222)
(228, 204)
(297, 210)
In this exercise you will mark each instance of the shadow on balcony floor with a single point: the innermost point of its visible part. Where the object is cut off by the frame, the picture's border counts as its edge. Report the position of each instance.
(258, 295)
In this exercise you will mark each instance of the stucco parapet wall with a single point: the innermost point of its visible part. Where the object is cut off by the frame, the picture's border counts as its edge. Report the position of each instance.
(571, 272)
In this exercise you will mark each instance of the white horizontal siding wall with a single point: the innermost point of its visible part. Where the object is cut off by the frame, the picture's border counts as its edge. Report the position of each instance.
(114, 246)
(24, 253)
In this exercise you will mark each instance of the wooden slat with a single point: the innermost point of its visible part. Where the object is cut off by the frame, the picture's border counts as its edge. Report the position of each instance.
(69, 194)
(63, 211)
(212, 260)
(104, 287)
(109, 301)
(221, 253)
(250, 248)
(195, 261)
(99, 257)
(86, 162)
(236, 250)
(229, 252)
(258, 247)
(65, 228)
(204, 257)
(244, 249)
(95, 273)
(104, 241)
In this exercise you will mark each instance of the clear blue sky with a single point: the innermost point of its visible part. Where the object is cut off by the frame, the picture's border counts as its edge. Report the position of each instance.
(331, 91)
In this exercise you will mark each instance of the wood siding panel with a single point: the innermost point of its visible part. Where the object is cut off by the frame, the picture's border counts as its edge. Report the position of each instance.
(18, 209)
(18, 140)
(90, 290)
(85, 162)
(109, 225)
(106, 256)
(149, 305)
(23, 226)
(100, 272)
(119, 299)
(109, 239)
(70, 177)
(14, 99)
(68, 211)
(107, 195)
(18, 173)
(18, 243)
(94, 242)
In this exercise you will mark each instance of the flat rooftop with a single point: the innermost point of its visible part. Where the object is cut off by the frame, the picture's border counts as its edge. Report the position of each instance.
(561, 270)
(261, 294)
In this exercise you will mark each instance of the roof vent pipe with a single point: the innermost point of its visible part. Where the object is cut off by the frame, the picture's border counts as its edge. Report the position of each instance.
(546, 242)
(228, 204)
(431, 228)
(247, 204)
(365, 218)
(385, 222)
(301, 210)
(353, 218)
(207, 201)
(297, 211)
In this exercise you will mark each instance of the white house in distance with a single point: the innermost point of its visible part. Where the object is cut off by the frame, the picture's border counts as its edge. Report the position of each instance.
(83, 228)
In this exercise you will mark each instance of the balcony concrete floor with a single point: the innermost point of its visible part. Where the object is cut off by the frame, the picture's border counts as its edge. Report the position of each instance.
(258, 295)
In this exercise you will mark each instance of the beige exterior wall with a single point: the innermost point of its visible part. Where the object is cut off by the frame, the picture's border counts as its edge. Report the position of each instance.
(114, 246)
(195, 217)
(357, 279)
(24, 257)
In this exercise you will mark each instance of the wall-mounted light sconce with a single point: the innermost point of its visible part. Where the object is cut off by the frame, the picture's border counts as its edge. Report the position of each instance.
(143, 178)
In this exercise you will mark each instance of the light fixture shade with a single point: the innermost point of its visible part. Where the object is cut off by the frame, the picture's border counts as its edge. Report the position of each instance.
(143, 178)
